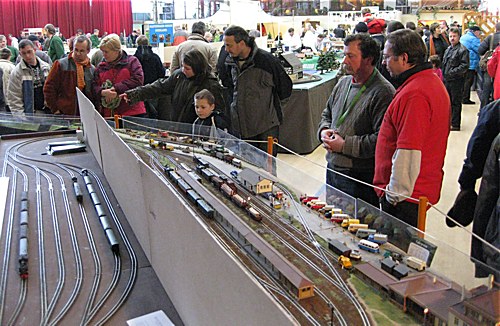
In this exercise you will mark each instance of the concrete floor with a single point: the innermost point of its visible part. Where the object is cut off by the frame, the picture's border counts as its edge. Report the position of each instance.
(452, 257)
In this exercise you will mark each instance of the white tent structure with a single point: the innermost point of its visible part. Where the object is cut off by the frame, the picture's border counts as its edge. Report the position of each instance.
(246, 14)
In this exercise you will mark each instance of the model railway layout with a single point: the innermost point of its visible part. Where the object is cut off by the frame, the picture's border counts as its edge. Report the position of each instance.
(66, 257)
(368, 231)
(315, 303)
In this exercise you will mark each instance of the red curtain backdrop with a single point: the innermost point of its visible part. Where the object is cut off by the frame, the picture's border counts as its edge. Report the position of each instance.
(112, 16)
(69, 15)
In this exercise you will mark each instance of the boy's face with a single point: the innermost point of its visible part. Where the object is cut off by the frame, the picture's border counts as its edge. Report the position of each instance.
(203, 108)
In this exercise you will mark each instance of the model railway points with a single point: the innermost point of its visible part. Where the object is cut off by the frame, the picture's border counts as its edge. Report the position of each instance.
(284, 222)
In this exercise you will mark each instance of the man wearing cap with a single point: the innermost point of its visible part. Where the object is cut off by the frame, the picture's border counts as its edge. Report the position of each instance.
(56, 48)
(40, 54)
(471, 41)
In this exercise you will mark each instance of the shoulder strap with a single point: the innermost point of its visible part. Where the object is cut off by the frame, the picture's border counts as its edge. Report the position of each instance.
(491, 41)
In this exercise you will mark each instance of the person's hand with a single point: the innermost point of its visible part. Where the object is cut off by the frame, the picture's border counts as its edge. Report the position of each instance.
(124, 97)
(58, 112)
(325, 135)
(109, 94)
(333, 143)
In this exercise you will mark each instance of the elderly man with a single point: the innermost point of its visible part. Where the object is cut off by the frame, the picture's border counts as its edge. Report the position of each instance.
(25, 92)
(68, 73)
(352, 119)
(411, 144)
(258, 83)
(56, 47)
(195, 41)
(13, 50)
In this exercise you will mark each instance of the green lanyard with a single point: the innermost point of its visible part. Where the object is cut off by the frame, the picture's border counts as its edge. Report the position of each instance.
(355, 99)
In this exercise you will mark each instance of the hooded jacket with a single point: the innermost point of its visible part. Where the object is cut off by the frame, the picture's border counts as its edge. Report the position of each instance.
(21, 94)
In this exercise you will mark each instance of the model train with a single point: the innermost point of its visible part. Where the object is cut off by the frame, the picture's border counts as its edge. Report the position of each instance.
(23, 236)
(101, 214)
(220, 182)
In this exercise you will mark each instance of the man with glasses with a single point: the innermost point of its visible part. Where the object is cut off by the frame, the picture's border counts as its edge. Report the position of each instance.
(68, 73)
(351, 121)
(25, 92)
(411, 144)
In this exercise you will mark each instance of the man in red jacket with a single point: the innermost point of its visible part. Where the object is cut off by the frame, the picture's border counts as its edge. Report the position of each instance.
(411, 144)
(66, 74)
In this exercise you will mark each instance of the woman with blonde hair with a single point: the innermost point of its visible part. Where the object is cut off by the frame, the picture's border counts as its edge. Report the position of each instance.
(114, 76)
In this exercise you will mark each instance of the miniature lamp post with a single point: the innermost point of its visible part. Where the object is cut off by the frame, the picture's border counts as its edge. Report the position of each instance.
(426, 311)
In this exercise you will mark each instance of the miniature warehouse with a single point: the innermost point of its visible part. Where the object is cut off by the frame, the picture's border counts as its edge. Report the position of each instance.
(150, 216)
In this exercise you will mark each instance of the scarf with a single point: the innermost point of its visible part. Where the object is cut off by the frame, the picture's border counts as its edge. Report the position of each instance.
(432, 49)
(80, 74)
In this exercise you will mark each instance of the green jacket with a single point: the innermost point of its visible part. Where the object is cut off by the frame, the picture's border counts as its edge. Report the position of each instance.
(14, 53)
(95, 41)
(56, 48)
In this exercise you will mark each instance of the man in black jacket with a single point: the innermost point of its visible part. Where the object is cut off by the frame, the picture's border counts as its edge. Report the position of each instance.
(455, 66)
(259, 84)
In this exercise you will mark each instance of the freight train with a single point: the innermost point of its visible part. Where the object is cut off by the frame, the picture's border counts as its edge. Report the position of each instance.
(220, 182)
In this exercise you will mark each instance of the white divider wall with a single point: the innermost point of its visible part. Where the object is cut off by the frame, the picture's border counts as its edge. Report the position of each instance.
(122, 169)
(206, 285)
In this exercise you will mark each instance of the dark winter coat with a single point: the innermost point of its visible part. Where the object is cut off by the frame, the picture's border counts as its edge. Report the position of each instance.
(182, 90)
(258, 88)
(151, 64)
(487, 214)
(455, 62)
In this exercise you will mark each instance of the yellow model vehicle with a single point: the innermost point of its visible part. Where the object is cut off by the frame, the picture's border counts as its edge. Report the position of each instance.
(345, 262)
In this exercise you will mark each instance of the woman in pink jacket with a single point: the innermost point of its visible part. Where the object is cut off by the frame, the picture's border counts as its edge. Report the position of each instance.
(494, 72)
(118, 73)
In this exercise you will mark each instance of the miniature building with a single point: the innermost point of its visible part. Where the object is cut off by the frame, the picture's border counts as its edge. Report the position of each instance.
(255, 182)
(292, 65)
(400, 271)
(426, 292)
(374, 276)
(483, 308)
(388, 264)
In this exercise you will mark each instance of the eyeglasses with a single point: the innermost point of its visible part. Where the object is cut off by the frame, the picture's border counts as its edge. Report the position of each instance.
(385, 57)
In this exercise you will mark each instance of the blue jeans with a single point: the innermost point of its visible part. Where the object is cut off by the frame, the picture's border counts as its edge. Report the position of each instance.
(351, 187)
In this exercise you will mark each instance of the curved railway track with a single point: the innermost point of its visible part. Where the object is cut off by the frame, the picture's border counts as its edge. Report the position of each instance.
(311, 248)
(50, 185)
(226, 240)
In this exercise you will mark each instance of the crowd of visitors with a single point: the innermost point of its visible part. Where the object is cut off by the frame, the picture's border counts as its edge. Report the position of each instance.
(386, 123)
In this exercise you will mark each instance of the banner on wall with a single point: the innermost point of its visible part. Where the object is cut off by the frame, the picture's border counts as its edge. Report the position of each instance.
(423, 22)
(161, 33)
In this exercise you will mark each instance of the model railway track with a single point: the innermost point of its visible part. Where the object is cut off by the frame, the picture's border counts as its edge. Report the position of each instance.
(54, 310)
(327, 302)
(229, 243)
(359, 308)
(312, 247)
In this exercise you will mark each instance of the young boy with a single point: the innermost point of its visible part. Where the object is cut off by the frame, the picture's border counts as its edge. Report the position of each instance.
(204, 103)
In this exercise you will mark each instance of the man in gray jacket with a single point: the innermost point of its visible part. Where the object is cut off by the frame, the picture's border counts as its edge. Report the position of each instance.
(352, 119)
(25, 92)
